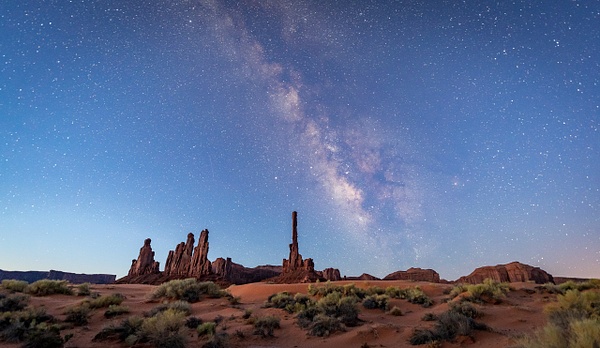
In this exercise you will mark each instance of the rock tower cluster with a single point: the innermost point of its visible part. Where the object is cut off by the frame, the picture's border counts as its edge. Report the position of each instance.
(185, 261)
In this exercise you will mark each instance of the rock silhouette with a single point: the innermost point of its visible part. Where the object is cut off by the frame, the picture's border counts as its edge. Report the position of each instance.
(511, 272)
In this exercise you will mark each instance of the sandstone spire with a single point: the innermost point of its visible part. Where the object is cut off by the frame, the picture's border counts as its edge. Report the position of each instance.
(145, 263)
(295, 261)
(200, 264)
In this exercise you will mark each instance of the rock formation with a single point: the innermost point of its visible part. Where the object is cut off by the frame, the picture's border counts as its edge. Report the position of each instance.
(512, 272)
(234, 273)
(331, 274)
(415, 274)
(200, 264)
(145, 263)
(295, 269)
(364, 276)
(73, 278)
(179, 261)
(295, 262)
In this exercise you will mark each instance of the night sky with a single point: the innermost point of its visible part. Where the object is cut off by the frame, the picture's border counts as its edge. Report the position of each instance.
(435, 134)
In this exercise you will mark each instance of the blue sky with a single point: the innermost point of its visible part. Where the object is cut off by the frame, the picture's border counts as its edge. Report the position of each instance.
(444, 135)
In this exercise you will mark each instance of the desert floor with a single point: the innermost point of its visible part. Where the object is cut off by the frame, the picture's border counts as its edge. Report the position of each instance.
(520, 313)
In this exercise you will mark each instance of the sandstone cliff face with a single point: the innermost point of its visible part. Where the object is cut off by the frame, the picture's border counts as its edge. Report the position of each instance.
(145, 263)
(237, 274)
(331, 274)
(512, 272)
(200, 264)
(415, 274)
(179, 261)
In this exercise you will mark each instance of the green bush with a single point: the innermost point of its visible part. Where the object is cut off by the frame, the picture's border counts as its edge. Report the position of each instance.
(12, 303)
(466, 309)
(323, 325)
(115, 310)
(179, 306)
(128, 331)
(208, 328)
(49, 287)
(488, 291)
(84, 289)
(280, 300)
(14, 285)
(413, 295)
(573, 321)
(78, 315)
(376, 302)
(106, 301)
(265, 326)
(33, 327)
(448, 325)
(164, 330)
(189, 290)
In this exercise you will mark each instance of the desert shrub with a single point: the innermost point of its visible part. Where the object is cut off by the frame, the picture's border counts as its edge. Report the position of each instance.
(208, 328)
(264, 326)
(247, 314)
(466, 309)
(45, 287)
(574, 305)
(323, 325)
(179, 306)
(193, 322)
(217, 341)
(164, 329)
(14, 285)
(550, 288)
(448, 325)
(234, 300)
(324, 290)
(12, 303)
(488, 291)
(413, 295)
(106, 301)
(429, 317)
(422, 336)
(189, 290)
(44, 336)
(395, 311)
(115, 310)
(280, 300)
(33, 327)
(376, 302)
(352, 290)
(78, 315)
(127, 331)
(84, 289)
(375, 290)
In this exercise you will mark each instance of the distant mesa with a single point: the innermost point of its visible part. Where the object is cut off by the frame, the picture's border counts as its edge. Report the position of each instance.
(74, 278)
(511, 273)
(364, 276)
(415, 274)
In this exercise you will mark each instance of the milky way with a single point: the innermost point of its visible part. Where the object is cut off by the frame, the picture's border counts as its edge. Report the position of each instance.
(444, 135)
